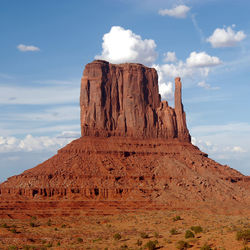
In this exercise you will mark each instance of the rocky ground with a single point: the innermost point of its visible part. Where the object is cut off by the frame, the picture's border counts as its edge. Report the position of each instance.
(127, 231)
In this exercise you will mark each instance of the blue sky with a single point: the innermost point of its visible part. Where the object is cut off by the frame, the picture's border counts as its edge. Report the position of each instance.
(45, 45)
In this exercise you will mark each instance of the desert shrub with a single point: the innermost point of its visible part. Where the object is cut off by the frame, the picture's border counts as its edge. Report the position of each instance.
(151, 245)
(58, 243)
(33, 218)
(117, 236)
(49, 223)
(124, 246)
(197, 229)
(182, 245)
(156, 235)
(176, 218)
(138, 242)
(63, 226)
(189, 234)
(12, 248)
(96, 240)
(173, 231)
(13, 230)
(79, 240)
(144, 235)
(243, 235)
(246, 248)
(205, 247)
(27, 247)
(32, 224)
(5, 225)
(56, 229)
(49, 244)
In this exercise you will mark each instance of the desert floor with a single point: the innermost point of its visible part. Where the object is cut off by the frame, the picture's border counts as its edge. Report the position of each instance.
(135, 229)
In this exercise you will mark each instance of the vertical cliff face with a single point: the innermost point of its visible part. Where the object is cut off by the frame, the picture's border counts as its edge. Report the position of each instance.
(124, 100)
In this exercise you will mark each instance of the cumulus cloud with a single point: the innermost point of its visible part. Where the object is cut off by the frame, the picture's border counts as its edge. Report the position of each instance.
(205, 85)
(179, 11)
(25, 48)
(197, 65)
(202, 59)
(170, 57)
(218, 150)
(165, 87)
(121, 45)
(36, 143)
(226, 37)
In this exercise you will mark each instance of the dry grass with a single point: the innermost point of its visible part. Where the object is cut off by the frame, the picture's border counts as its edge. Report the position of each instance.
(97, 232)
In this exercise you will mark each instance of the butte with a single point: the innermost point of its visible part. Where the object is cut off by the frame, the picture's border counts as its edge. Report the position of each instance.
(135, 153)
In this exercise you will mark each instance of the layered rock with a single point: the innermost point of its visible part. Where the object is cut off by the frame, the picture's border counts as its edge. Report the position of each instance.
(134, 153)
(124, 100)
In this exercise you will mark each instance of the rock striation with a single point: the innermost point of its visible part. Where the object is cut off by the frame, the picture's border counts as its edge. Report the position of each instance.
(123, 100)
(134, 153)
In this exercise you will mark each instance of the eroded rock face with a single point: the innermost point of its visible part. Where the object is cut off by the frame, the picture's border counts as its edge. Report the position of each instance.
(124, 100)
(134, 153)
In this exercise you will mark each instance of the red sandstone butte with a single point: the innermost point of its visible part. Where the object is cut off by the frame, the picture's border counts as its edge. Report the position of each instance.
(134, 153)
(123, 100)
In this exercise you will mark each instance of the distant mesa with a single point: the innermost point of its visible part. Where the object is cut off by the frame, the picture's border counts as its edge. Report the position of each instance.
(134, 153)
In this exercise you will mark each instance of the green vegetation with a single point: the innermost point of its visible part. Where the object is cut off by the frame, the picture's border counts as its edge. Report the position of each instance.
(176, 218)
(27, 247)
(205, 247)
(12, 248)
(189, 234)
(173, 231)
(138, 242)
(197, 229)
(243, 235)
(13, 230)
(156, 235)
(124, 246)
(79, 240)
(182, 245)
(117, 236)
(49, 223)
(144, 235)
(49, 245)
(151, 245)
(96, 240)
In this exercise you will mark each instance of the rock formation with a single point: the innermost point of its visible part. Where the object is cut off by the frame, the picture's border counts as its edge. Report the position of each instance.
(134, 153)
(123, 100)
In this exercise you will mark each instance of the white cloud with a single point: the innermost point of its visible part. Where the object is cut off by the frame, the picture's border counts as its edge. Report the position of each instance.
(170, 57)
(238, 149)
(166, 90)
(25, 48)
(205, 85)
(219, 150)
(202, 59)
(197, 65)
(226, 37)
(36, 143)
(165, 87)
(120, 46)
(179, 11)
